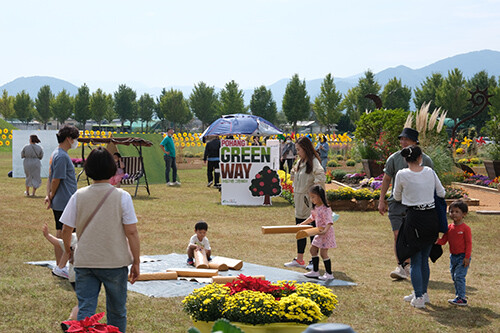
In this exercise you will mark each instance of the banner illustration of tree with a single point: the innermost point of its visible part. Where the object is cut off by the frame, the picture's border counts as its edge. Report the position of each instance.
(266, 183)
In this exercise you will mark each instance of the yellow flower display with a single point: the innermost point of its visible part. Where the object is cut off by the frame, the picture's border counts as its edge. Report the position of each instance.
(4, 136)
(251, 307)
(5, 130)
(299, 309)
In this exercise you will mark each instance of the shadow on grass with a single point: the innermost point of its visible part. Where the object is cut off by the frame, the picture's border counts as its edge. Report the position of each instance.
(466, 317)
(144, 197)
(342, 276)
(448, 286)
(276, 204)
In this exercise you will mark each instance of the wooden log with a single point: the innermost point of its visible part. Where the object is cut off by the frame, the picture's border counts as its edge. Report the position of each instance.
(200, 259)
(218, 266)
(230, 263)
(157, 276)
(283, 229)
(226, 279)
(194, 272)
(307, 233)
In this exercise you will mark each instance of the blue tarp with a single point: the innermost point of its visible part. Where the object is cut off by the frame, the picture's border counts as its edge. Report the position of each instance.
(173, 288)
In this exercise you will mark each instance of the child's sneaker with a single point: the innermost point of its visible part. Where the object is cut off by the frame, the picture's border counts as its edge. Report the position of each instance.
(458, 301)
(418, 302)
(60, 272)
(190, 261)
(412, 296)
(296, 263)
(312, 274)
(326, 276)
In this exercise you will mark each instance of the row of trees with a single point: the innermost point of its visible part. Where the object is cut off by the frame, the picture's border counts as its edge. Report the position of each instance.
(328, 108)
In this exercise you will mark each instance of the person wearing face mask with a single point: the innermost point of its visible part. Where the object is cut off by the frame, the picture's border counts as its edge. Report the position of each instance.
(61, 183)
(288, 153)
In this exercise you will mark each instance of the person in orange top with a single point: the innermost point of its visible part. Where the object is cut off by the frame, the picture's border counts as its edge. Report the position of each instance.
(460, 238)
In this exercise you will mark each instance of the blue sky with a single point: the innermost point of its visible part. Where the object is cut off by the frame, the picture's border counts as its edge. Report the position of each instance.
(163, 43)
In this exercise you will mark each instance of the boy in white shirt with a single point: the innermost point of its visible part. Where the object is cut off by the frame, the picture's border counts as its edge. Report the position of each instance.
(199, 241)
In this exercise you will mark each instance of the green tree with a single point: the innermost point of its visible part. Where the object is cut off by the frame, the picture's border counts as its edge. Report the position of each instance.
(479, 81)
(62, 107)
(428, 90)
(110, 113)
(345, 124)
(82, 105)
(204, 103)
(98, 106)
(395, 95)
(175, 108)
(231, 99)
(146, 107)
(125, 103)
(263, 105)
(351, 108)
(23, 106)
(296, 101)
(452, 95)
(366, 85)
(327, 104)
(42, 105)
(7, 106)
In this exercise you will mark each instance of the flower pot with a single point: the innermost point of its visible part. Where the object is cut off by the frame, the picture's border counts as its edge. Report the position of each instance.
(372, 168)
(206, 327)
(492, 168)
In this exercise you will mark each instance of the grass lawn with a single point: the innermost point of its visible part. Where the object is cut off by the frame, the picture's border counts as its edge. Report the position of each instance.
(32, 300)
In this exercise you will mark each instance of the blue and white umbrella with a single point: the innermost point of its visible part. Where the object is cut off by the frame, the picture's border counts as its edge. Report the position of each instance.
(241, 124)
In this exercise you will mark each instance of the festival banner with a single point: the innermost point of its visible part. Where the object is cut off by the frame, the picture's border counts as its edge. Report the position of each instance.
(248, 173)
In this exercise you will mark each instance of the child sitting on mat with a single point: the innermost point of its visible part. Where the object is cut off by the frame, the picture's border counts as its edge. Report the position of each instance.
(61, 270)
(198, 241)
(322, 214)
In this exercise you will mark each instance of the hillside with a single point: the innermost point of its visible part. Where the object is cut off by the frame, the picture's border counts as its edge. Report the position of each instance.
(469, 63)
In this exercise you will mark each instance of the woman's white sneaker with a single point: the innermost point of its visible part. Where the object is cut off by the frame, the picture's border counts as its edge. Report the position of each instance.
(410, 297)
(326, 276)
(418, 302)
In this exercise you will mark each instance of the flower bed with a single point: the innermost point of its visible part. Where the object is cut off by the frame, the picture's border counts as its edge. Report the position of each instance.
(255, 301)
(481, 180)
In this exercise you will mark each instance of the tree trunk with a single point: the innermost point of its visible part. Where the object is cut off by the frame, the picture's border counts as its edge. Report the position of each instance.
(267, 200)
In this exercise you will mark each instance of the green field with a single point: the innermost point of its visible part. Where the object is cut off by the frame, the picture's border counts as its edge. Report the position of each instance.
(32, 300)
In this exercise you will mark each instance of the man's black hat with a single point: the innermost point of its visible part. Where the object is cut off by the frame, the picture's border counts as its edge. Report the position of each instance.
(409, 133)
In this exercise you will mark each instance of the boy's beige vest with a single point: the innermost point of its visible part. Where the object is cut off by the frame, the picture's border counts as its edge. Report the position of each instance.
(103, 243)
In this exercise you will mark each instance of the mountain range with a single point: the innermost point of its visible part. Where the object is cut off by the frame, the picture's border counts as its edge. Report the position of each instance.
(469, 63)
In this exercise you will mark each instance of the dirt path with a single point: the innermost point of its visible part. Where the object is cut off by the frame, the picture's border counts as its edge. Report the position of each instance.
(488, 200)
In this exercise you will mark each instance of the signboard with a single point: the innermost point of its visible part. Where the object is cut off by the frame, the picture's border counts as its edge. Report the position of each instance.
(248, 173)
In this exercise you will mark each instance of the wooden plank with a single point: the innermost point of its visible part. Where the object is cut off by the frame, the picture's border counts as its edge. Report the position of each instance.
(230, 263)
(307, 233)
(283, 229)
(227, 279)
(200, 259)
(157, 276)
(488, 212)
(194, 272)
(218, 266)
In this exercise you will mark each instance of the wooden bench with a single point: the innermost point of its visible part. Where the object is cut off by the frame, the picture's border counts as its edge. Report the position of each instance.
(134, 169)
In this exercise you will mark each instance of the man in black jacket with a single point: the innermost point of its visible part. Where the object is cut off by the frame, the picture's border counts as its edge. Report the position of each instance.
(212, 156)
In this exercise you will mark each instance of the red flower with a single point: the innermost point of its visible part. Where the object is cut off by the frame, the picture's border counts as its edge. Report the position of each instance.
(250, 283)
(91, 324)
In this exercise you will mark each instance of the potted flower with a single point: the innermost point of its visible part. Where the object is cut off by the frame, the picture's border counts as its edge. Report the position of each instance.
(91, 324)
(493, 149)
(257, 305)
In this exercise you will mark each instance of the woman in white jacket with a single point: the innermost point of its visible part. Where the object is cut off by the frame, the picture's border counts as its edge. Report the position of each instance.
(415, 188)
(306, 172)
